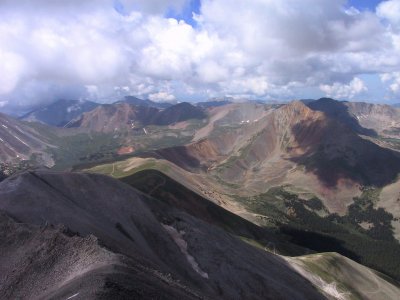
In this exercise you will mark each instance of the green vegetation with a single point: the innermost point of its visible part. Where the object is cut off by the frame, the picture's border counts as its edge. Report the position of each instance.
(95, 148)
(362, 210)
(299, 220)
(121, 169)
(83, 148)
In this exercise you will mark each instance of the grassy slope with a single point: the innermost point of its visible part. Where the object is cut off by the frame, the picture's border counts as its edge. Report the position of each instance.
(345, 278)
(75, 147)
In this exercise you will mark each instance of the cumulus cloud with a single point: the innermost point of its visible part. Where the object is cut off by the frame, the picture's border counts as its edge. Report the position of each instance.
(161, 96)
(344, 91)
(390, 10)
(12, 69)
(393, 80)
(105, 49)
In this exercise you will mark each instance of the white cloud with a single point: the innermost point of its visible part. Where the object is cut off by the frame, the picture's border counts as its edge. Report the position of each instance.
(258, 86)
(393, 80)
(389, 10)
(161, 96)
(259, 48)
(344, 91)
(12, 69)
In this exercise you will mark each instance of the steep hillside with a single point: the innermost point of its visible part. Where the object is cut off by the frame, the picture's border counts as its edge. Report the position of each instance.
(363, 118)
(231, 116)
(340, 111)
(293, 145)
(60, 113)
(344, 278)
(51, 262)
(145, 247)
(158, 185)
(178, 113)
(380, 117)
(124, 116)
(140, 102)
(304, 225)
(211, 103)
(19, 141)
(111, 117)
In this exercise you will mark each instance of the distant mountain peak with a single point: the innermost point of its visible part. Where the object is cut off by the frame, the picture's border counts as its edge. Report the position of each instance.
(123, 115)
(60, 112)
(145, 102)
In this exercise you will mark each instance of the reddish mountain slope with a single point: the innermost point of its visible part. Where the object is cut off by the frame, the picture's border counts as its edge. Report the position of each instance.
(121, 115)
(294, 145)
(111, 117)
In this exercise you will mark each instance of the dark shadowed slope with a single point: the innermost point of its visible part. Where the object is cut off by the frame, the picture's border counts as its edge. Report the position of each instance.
(158, 185)
(47, 262)
(341, 112)
(206, 260)
(178, 113)
(364, 118)
(145, 102)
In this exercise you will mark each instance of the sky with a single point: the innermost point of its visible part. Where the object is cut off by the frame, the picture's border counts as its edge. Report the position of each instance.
(193, 50)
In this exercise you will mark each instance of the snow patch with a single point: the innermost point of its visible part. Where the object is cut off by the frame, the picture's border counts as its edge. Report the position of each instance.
(74, 107)
(178, 239)
(19, 140)
(73, 296)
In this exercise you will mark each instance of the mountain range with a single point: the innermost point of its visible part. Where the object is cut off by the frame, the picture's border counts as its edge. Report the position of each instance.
(214, 201)
(111, 117)
(114, 242)
(63, 111)
(60, 112)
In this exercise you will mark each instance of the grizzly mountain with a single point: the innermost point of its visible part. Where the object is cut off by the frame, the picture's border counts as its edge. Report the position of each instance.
(121, 115)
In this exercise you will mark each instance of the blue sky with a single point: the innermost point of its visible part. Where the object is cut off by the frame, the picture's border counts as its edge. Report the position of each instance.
(186, 14)
(194, 6)
(364, 4)
(376, 90)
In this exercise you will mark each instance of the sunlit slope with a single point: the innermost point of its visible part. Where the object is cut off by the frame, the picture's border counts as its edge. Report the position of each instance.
(343, 278)
(19, 141)
(295, 145)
